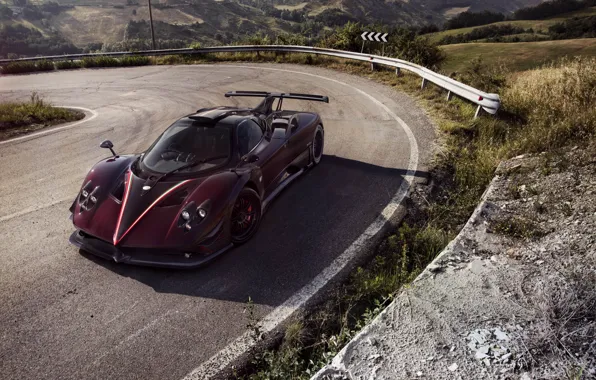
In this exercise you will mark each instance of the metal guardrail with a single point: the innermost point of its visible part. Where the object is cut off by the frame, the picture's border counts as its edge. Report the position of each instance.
(485, 101)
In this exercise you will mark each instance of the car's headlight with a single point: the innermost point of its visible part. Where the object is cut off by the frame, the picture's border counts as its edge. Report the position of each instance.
(88, 196)
(193, 215)
(185, 215)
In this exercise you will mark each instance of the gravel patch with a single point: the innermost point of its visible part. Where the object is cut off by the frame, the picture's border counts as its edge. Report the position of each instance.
(512, 297)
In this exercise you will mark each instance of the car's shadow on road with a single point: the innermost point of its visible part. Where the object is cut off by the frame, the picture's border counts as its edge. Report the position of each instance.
(309, 225)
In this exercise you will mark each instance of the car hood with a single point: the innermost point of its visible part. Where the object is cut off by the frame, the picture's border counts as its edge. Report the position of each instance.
(150, 218)
(137, 203)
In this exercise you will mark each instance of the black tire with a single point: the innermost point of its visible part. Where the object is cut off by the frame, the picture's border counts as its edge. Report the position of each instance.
(318, 144)
(245, 216)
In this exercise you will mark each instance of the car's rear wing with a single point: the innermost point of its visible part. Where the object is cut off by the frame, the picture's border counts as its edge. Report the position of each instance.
(266, 106)
(279, 95)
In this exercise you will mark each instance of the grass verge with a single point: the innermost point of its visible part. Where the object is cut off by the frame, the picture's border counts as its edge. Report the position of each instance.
(21, 118)
(87, 62)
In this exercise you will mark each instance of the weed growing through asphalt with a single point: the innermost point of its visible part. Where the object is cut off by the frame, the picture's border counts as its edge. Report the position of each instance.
(517, 227)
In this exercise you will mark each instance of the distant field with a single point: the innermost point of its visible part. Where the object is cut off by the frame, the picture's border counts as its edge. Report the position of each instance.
(454, 11)
(519, 55)
(291, 7)
(85, 24)
(537, 25)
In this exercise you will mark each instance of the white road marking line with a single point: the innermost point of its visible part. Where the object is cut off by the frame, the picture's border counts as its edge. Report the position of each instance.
(33, 209)
(53, 130)
(226, 356)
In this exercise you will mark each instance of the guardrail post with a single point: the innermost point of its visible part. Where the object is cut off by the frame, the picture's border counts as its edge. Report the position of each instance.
(398, 71)
(478, 110)
(372, 66)
(423, 84)
(449, 95)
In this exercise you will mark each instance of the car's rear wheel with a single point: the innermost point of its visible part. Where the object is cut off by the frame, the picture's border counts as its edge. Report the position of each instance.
(318, 143)
(246, 216)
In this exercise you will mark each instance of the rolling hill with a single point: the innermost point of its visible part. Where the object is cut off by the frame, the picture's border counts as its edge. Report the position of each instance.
(84, 22)
(538, 26)
(516, 56)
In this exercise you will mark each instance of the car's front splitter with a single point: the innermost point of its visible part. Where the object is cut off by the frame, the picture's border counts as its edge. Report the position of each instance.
(138, 256)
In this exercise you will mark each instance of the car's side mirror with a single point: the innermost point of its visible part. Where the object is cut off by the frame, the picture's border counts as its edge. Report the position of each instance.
(107, 144)
(251, 158)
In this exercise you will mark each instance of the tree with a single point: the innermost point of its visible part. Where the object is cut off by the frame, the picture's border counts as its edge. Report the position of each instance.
(345, 37)
(5, 12)
(468, 19)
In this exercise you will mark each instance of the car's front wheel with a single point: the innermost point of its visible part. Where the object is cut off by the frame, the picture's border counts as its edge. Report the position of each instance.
(246, 216)
(318, 143)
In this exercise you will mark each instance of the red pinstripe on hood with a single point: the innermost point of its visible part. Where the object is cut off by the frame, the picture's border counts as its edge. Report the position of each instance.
(117, 238)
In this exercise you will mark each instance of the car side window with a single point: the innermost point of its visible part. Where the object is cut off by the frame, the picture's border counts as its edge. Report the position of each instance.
(249, 135)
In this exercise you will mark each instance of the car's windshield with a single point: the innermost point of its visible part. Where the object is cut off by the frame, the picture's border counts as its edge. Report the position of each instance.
(189, 141)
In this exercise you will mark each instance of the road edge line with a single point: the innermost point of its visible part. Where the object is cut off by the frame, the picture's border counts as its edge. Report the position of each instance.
(56, 129)
(233, 351)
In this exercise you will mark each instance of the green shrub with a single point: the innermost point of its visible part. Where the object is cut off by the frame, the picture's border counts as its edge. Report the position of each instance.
(45, 65)
(469, 19)
(100, 61)
(346, 37)
(169, 60)
(490, 32)
(577, 27)
(19, 67)
(403, 44)
(65, 65)
(488, 78)
(27, 67)
(135, 61)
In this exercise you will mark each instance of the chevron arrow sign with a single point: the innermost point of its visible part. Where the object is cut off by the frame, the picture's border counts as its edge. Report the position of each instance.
(372, 36)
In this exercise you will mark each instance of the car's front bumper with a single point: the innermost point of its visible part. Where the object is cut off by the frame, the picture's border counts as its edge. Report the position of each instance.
(139, 256)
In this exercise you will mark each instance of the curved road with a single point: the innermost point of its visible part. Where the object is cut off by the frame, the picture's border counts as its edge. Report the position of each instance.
(66, 315)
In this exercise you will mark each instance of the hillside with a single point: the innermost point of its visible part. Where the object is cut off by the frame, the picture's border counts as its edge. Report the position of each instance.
(221, 21)
(538, 26)
(517, 56)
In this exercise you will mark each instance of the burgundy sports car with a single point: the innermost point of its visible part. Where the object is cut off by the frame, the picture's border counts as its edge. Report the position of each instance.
(201, 187)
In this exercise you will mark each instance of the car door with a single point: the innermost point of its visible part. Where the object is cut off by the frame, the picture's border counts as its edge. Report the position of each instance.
(252, 139)
(297, 143)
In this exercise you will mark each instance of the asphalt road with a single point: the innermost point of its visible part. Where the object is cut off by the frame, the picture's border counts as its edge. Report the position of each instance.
(66, 315)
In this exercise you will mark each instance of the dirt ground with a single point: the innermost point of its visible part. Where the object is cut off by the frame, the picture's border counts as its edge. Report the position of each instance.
(512, 297)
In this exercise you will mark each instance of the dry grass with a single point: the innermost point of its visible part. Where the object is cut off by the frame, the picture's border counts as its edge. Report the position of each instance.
(519, 56)
(558, 103)
(21, 118)
(563, 335)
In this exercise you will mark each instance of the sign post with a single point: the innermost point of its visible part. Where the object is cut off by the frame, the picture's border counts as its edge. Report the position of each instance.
(374, 37)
